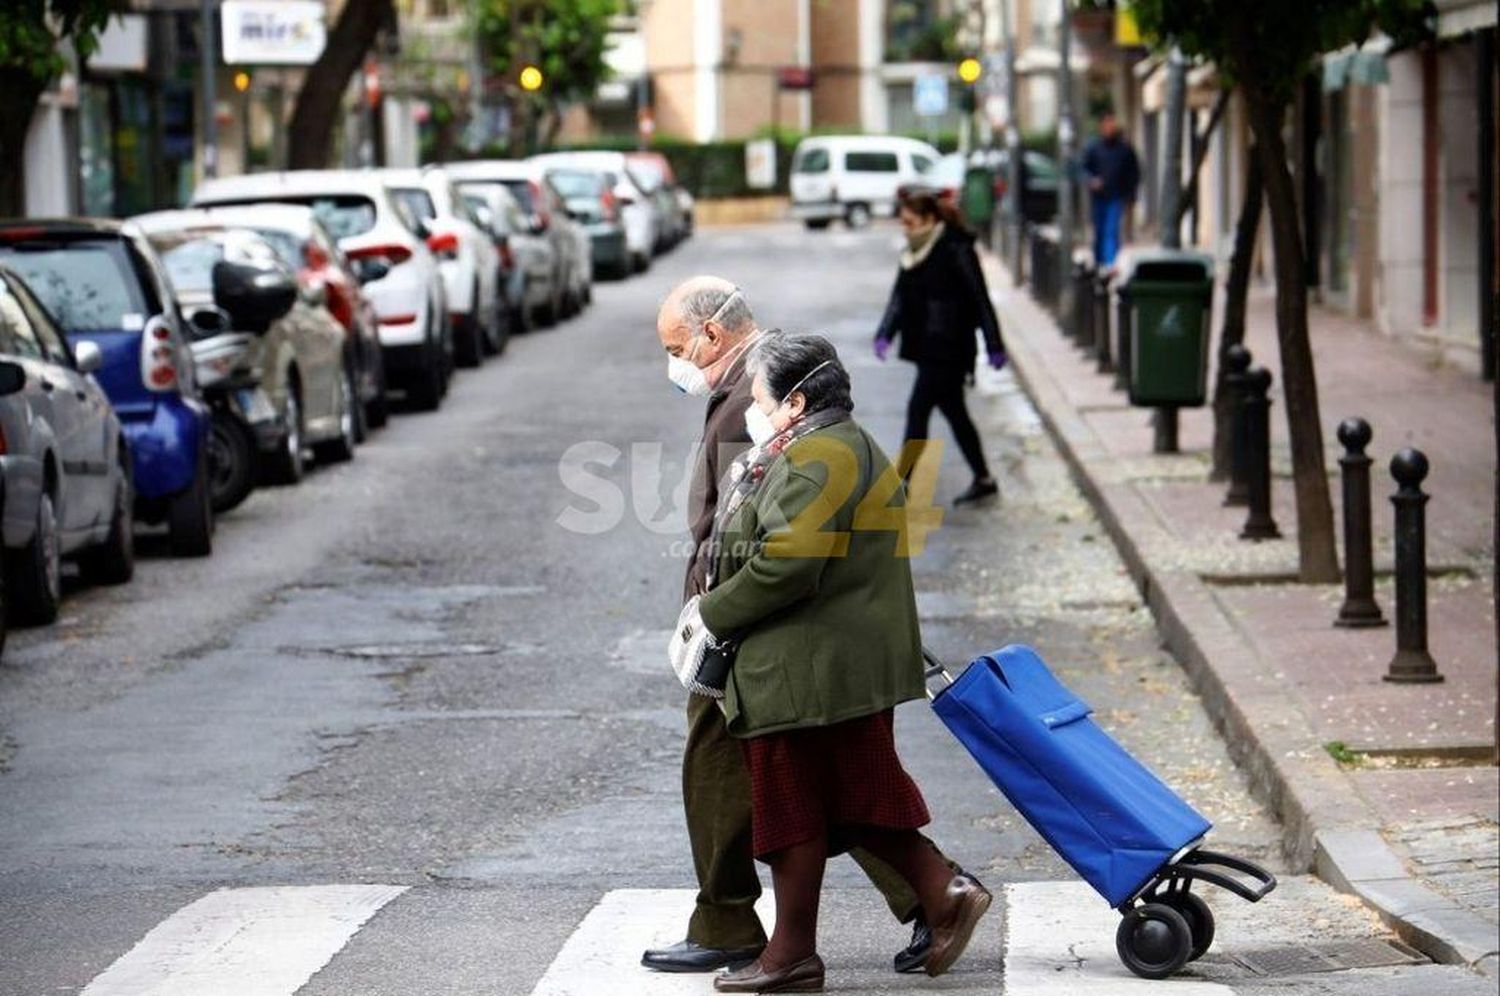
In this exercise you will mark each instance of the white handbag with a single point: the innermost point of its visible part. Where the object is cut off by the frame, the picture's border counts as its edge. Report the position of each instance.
(700, 662)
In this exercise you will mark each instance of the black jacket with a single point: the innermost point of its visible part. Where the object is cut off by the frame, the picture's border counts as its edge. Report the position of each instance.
(937, 304)
(1115, 164)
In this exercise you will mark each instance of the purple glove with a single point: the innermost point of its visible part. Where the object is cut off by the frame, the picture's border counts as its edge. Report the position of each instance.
(882, 347)
(997, 359)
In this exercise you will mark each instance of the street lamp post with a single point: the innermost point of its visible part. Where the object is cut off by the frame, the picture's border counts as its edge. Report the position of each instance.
(1065, 157)
(209, 61)
(1014, 202)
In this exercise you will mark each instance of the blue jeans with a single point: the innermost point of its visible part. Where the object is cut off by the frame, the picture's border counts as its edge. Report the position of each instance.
(1108, 213)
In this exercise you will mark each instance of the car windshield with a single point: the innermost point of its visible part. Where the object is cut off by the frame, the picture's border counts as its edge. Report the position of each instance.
(344, 215)
(418, 202)
(576, 183)
(87, 286)
(521, 191)
(190, 256)
(814, 160)
(286, 245)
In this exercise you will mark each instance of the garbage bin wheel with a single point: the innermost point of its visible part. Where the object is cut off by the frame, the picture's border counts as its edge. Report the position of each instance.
(1154, 941)
(1200, 919)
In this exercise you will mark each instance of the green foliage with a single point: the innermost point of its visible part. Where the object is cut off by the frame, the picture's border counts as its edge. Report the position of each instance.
(1340, 752)
(565, 39)
(1271, 44)
(31, 30)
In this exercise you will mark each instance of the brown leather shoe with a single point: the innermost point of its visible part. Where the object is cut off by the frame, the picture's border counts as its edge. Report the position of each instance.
(804, 977)
(949, 938)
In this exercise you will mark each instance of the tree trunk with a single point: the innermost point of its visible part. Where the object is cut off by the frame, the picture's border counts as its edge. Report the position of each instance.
(317, 109)
(22, 91)
(1316, 549)
(1236, 289)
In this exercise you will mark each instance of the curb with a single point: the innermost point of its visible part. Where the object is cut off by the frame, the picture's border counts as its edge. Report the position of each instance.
(1326, 822)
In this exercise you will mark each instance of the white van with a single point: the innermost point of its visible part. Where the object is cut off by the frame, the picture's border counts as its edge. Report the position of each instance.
(854, 177)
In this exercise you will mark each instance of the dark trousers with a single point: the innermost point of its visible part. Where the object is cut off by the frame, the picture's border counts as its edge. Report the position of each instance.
(942, 388)
(716, 796)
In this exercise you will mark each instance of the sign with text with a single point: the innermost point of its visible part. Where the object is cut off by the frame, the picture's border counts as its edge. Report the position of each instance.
(929, 95)
(273, 32)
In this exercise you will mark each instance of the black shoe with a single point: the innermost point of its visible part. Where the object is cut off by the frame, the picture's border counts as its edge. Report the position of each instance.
(689, 956)
(976, 492)
(913, 958)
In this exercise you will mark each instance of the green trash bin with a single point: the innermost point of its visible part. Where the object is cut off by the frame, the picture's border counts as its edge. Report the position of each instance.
(1169, 294)
(977, 199)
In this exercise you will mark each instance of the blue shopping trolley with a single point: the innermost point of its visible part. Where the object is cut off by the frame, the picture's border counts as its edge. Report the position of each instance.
(1120, 827)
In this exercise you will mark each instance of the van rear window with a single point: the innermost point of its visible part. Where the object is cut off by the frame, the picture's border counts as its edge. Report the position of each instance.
(870, 162)
(811, 161)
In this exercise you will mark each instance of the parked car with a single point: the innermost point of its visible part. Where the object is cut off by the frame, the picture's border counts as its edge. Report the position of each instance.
(466, 257)
(227, 279)
(532, 267)
(637, 209)
(302, 242)
(854, 177)
(673, 200)
(589, 198)
(545, 215)
(104, 286)
(66, 465)
(388, 247)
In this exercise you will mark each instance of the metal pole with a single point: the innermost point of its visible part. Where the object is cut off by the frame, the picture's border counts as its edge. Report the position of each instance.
(1237, 361)
(208, 70)
(1165, 420)
(478, 130)
(1412, 664)
(1014, 200)
(1065, 156)
(1359, 609)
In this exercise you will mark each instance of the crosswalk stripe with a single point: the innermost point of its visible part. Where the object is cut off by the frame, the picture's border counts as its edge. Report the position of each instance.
(1060, 941)
(262, 941)
(604, 954)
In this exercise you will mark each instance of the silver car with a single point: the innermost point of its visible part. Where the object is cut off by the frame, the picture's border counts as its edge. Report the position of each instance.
(65, 468)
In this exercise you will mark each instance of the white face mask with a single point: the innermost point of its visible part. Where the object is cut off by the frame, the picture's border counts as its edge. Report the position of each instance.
(759, 425)
(687, 375)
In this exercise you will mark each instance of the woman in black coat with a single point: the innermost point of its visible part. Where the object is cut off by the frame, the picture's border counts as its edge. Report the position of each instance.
(940, 298)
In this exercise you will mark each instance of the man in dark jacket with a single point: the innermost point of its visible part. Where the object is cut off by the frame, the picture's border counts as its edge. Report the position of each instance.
(1113, 173)
(706, 327)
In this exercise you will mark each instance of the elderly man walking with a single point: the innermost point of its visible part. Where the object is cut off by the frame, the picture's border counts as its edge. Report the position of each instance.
(706, 327)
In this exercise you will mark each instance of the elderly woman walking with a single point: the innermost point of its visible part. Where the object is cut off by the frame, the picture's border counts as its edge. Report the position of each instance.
(823, 620)
(938, 301)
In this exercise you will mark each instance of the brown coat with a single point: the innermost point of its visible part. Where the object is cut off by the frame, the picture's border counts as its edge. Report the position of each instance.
(724, 439)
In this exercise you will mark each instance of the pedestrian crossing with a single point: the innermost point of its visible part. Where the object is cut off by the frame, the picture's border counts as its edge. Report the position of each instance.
(1057, 939)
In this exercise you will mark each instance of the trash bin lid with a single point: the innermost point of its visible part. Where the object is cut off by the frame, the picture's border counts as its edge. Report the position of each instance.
(1166, 264)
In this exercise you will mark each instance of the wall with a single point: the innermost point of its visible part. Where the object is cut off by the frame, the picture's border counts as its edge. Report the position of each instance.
(835, 57)
(768, 35)
(668, 28)
(1398, 308)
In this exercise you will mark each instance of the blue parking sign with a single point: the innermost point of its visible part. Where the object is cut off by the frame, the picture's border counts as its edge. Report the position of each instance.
(929, 95)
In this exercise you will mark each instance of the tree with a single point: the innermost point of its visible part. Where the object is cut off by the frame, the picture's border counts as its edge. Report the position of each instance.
(1266, 49)
(1236, 291)
(32, 33)
(316, 112)
(565, 39)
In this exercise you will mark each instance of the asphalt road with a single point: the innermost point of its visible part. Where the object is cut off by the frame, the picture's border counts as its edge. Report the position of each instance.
(439, 668)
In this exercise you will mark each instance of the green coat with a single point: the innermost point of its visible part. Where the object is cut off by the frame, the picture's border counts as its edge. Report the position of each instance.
(825, 614)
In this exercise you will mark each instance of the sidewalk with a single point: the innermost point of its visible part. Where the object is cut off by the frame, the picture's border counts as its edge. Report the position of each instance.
(1406, 816)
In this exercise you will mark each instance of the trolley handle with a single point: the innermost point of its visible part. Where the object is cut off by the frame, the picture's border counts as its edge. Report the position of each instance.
(1200, 864)
(934, 669)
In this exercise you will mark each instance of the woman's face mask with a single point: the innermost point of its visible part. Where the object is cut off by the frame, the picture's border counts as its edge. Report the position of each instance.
(763, 426)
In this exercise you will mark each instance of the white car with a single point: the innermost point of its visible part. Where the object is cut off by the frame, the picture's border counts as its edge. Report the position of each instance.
(854, 177)
(632, 193)
(533, 261)
(398, 272)
(466, 256)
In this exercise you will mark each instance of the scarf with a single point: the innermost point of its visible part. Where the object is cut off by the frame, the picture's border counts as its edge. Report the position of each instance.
(915, 253)
(748, 472)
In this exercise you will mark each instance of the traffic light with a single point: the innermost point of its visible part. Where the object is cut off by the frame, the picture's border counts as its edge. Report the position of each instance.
(969, 70)
(531, 79)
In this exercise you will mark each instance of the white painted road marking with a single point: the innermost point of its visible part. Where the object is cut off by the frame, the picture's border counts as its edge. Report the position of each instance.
(604, 953)
(1060, 941)
(265, 941)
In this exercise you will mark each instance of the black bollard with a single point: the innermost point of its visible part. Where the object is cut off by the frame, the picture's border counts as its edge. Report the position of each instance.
(1122, 339)
(1236, 362)
(1099, 301)
(1259, 525)
(1359, 609)
(1412, 663)
(1083, 304)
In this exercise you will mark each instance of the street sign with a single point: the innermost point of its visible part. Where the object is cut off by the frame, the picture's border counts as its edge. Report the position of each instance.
(273, 32)
(929, 95)
(760, 164)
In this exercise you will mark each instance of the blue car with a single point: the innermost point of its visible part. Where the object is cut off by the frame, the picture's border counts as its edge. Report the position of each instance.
(104, 285)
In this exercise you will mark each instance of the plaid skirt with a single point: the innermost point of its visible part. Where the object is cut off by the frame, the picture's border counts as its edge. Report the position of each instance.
(828, 780)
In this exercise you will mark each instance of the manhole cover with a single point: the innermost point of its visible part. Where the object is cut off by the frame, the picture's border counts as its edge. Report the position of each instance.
(1334, 956)
(384, 651)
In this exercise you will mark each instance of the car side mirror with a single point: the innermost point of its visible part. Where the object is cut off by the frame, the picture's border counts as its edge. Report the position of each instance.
(253, 295)
(368, 270)
(208, 322)
(88, 357)
(12, 378)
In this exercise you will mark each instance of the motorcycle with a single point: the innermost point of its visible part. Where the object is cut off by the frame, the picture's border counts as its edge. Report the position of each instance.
(230, 383)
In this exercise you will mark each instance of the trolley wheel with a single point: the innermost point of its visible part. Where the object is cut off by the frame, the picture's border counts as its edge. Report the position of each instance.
(1200, 919)
(1154, 941)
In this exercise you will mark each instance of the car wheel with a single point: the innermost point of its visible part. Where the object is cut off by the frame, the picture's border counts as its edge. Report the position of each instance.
(113, 561)
(588, 293)
(33, 576)
(231, 462)
(340, 449)
(287, 466)
(857, 215)
(467, 352)
(378, 408)
(521, 318)
(426, 391)
(502, 330)
(817, 224)
(190, 519)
